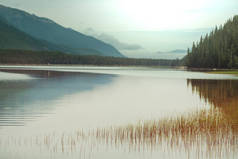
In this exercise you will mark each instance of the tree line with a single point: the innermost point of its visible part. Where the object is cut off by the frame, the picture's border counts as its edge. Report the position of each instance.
(219, 49)
(46, 57)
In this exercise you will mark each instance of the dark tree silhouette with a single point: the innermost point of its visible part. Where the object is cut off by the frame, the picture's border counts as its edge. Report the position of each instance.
(219, 49)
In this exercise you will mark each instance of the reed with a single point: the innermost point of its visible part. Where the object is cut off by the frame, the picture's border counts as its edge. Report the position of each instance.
(206, 133)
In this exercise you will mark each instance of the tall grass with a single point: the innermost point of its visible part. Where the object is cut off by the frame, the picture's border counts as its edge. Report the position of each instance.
(204, 133)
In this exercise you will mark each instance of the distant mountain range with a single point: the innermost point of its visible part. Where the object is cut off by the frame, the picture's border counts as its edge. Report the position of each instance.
(21, 30)
(177, 51)
(12, 38)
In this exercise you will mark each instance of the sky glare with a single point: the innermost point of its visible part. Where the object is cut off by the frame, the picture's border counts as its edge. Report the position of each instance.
(123, 16)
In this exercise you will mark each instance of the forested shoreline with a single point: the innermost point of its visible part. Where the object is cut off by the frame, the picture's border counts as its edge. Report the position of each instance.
(46, 57)
(219, 49)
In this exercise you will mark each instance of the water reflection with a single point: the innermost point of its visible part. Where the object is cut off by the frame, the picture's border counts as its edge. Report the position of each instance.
(201, 134)
(222, 94)
(198, 134)
(24, 100)
(204, 133)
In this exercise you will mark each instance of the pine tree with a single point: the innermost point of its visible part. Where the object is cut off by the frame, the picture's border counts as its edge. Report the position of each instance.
(219, 49)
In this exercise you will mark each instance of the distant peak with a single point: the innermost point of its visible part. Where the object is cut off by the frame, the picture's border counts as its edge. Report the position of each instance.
(46, 20)
(173, 51)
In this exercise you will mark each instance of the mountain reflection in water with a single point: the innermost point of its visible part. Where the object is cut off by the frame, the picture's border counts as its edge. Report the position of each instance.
(25, 100)
(209, 132)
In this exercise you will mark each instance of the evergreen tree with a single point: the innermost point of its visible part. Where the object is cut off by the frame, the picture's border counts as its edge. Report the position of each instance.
(219, 49)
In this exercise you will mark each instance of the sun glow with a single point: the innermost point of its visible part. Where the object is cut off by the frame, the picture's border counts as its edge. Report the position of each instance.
(154, 14)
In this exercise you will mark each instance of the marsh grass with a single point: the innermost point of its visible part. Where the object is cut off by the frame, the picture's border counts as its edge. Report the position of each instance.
(203, 134)
(206, 132)
(232, 72)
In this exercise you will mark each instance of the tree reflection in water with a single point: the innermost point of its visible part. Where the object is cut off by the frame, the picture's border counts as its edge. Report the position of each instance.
(207, 133)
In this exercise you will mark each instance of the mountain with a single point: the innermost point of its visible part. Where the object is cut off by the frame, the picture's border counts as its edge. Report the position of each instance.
(219, 49)
(44, 29)
(177, 51)
(12, 38)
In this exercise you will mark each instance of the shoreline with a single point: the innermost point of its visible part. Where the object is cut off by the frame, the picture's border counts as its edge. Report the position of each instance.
(206, 70)
(82, 65)
(229, 72)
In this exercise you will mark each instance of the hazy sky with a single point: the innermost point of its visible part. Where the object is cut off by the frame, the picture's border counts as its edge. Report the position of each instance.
(118, 17)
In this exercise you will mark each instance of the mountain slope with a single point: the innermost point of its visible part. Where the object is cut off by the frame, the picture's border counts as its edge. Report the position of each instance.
(47, 30)
(12, 38)
(177, 51)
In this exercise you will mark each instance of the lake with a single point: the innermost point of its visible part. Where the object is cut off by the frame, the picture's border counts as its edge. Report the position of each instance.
(69, 112)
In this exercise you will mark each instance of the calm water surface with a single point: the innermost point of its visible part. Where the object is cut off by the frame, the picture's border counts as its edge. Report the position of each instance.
(116, 112)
